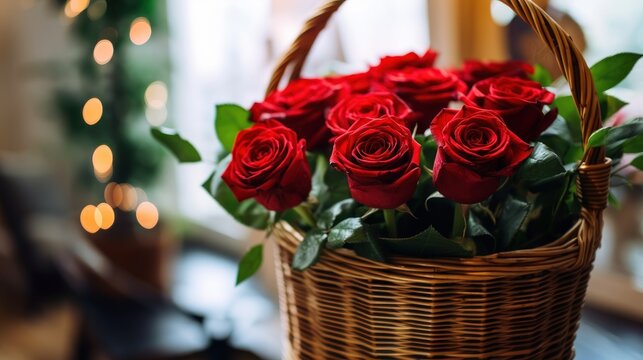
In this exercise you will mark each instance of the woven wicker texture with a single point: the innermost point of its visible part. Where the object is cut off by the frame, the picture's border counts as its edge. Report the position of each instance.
(514, 305)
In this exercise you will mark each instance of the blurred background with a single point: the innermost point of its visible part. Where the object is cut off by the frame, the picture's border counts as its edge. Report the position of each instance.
(110, 250)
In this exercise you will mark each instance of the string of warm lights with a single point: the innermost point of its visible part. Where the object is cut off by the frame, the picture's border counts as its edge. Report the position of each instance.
(122, 196)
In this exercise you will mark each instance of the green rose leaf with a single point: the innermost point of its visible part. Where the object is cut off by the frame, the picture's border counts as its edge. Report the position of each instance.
(229, 120)
(250, 263)
(182, 149)
(610, 71)
(458, 226)
(370, 248)
(541, 75)
(633, 145)
(349, 230)
(428, 243)
(327, 218)
(619, 136)
(598, 137)
(610, 105)
(540, 168)
(514, 213)
(248, 212)
(567, 109)
(637, 162)
(319, 187)
(309, 250)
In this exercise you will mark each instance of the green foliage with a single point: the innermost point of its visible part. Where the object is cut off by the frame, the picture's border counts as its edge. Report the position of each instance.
(541, 167)
(598, 137)
(250, 263)
(637, 162)
(567, 110)
(610, 71)
(248, 212)
(309, 249)
(610, 105)
(347, 231)
(229, 120)
(182, 149)
(633, 145)
(541, 75)
(371, 248)
(513, 214)
(428, 243)
(337, 212)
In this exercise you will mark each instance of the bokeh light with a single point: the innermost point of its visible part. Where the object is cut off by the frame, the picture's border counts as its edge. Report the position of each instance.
(75, 7)
(147, 215)
(92, 111)
(102, 159)
(107, 215)
(156, 116)
(103, 52)
(113, 194)
(91, 219)
(140, 31)
(156, 95)
(97, 9)
(130, 199)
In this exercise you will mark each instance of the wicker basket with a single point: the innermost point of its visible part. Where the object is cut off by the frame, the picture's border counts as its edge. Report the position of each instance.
(514, 305)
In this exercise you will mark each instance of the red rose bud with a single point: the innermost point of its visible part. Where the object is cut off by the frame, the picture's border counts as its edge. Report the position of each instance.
(476, 151)
(519, 102)
(426, 91)
(474, 71)
(381, 161)
(370, 106)
(391, 63)
(269, 164)
(302, 107)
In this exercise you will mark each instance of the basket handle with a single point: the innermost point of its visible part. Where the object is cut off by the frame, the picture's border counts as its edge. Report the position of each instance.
(594, 170)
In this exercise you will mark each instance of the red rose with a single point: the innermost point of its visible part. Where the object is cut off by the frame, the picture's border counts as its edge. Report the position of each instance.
(391, 63)
(302, 106)
(474, 71)
(519, 102)
(269, 164)
(476, 151)
(359, 83)
(426, 91)
(381, 160)
(371, 106)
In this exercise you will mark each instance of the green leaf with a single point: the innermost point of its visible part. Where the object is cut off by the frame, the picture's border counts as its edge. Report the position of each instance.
(337, 187)
(610, 71)
(613, 201)
(514, 213)
(248, 212)
(633, 145)
(349, 230)
(620, 135)
(637, 162)
(598, 137)
(567, 109)
(477, 230)
(309, 250)
(318, 185)
(543, 165)
(371, 247)
(229, 120)
(428, 243)
(250, 263)
(610, 105)
(541, 75)
(458, 227)
(327, 218)
(182, 149)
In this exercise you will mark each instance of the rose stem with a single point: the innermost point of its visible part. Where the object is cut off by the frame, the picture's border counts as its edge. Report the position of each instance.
(305, 215)
(389, 218)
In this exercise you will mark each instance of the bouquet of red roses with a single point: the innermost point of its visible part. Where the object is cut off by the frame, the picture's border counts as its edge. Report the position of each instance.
(411, 159)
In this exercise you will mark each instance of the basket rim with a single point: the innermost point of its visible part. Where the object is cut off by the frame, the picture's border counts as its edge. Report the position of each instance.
(559, 254)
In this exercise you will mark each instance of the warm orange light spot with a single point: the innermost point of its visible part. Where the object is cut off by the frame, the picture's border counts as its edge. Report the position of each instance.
(91, 219)
(102, 160)
(107, 215)
(140, 31)
(129, 201)
(75, 7)
(92, 111)
(156, 95)
(147, 215)
(103, 52)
